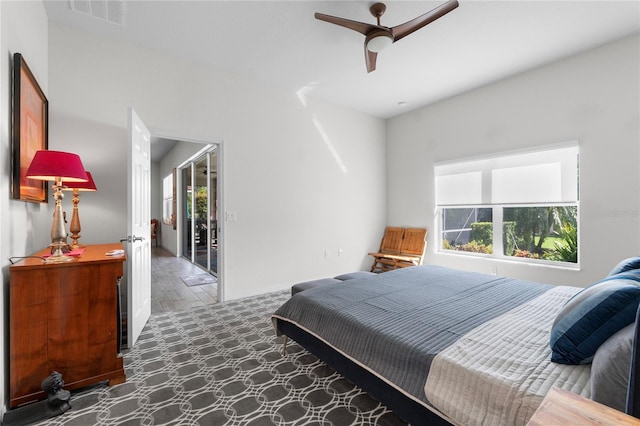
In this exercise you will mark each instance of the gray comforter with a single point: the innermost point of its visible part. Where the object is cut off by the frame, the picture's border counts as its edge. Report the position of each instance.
(395, 323)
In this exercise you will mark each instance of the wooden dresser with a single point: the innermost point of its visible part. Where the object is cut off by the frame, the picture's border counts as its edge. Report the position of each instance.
(64, 317)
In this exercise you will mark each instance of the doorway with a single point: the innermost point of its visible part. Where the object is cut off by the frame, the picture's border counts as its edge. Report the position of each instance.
(180, 170)
(199, 207)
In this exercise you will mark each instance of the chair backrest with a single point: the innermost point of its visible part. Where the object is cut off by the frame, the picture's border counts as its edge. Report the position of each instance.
(154, 227)
(392, 240)
(414, 241)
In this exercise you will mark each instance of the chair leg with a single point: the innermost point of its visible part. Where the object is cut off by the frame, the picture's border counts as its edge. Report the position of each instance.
(378, 266)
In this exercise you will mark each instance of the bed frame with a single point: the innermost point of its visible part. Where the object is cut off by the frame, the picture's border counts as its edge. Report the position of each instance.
(404, 407)
(408, 409)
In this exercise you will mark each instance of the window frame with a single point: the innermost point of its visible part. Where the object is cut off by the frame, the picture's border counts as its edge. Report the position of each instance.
(498, 210)
(498, 246)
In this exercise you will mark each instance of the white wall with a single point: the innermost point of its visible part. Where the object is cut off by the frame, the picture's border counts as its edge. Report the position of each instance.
(593, 97)
(24, 227)
(295, 192)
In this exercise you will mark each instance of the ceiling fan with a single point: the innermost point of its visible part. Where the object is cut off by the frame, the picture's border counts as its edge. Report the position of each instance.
(378, 37)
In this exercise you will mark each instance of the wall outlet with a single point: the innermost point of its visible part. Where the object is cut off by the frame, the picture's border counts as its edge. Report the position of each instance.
(231, 216)
(494, 270)
(327, 254)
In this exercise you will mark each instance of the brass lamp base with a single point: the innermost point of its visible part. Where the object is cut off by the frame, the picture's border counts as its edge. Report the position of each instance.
(57, 255)
(58, 259)
(58, 230)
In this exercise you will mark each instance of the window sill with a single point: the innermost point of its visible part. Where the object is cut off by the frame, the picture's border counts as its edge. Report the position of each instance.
(550, 264)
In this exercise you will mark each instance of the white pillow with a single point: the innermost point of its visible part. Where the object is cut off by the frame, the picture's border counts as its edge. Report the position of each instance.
(610, 369)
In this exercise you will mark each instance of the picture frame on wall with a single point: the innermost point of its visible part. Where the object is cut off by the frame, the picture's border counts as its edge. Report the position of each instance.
(30, 131)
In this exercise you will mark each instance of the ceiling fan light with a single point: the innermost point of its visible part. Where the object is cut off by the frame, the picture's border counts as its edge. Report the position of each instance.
(379, 43)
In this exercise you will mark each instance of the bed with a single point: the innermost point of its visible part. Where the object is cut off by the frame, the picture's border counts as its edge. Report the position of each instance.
(442, 346)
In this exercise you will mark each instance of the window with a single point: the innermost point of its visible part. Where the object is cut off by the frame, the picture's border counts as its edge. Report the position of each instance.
(167, 200)
(468, 229)
(522, 205)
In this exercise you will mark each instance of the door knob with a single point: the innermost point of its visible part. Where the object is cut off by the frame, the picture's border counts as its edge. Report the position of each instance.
(130, 239)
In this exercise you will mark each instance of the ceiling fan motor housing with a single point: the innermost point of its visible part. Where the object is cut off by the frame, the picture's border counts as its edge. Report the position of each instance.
(378, 40)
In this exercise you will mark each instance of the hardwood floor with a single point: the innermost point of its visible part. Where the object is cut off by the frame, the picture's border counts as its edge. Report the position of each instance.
(168, 291)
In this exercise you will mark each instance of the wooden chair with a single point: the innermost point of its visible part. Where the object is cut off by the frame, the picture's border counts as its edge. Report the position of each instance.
(409, 252)
(413, 247)
(154, 230)
(390, 244)
(391, 241)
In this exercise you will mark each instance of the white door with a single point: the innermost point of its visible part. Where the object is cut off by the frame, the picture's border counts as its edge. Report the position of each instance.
(138, 228)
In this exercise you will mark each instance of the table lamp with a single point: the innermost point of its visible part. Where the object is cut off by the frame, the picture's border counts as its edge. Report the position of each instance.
(75, 227)
(59, 167)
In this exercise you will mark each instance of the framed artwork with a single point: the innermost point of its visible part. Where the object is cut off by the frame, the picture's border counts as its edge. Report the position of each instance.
(30, 131)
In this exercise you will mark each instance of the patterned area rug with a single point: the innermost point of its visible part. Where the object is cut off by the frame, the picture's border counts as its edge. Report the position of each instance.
(221, 365)
(199, 279)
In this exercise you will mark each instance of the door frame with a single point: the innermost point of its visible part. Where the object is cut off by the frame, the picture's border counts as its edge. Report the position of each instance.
(221, 198)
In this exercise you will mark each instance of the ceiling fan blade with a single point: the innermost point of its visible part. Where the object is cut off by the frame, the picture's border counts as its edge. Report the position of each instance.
(370, 58)
(403, 30)
(361, 27)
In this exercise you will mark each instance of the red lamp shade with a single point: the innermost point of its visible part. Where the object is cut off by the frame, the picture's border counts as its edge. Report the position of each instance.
(82, 186)
(50, 165)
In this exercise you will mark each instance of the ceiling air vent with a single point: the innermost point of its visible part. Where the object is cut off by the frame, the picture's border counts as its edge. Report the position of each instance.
(112, 11)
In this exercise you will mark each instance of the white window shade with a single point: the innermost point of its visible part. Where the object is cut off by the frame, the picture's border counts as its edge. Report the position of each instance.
(167, 187)
(542, 176)
(527, 184)
(167, 199)
(459, 188)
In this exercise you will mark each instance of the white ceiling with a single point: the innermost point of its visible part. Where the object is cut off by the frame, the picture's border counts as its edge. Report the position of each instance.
(280, 43)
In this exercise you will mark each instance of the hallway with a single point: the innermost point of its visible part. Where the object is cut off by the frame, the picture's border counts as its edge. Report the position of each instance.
(168, 290)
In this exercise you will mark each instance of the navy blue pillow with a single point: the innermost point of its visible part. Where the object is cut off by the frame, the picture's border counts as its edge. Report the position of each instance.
(626, 265)
(593, 315)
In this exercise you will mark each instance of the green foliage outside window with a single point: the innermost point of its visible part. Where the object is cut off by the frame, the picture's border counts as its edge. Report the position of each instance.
(548, 233)
(544, 232)
(482, 232)
(508, 237)
(201, 207)
(567, 248)
(201, 202)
